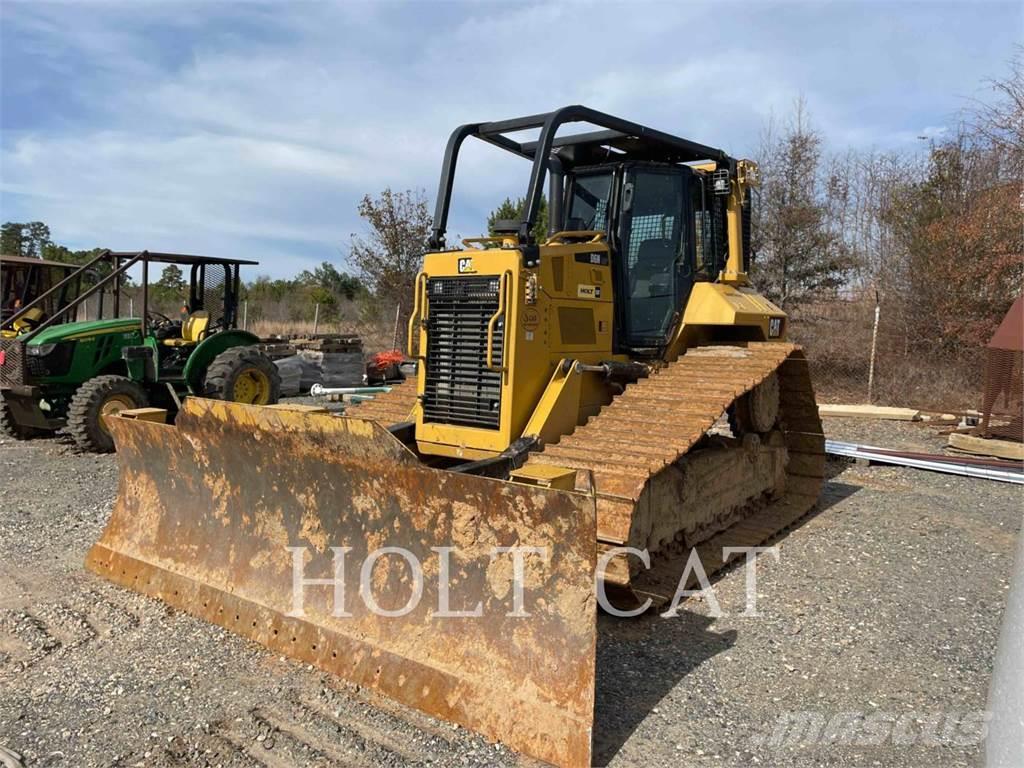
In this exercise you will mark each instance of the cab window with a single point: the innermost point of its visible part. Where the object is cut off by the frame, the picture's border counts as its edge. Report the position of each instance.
(708, 231)
(588, 206)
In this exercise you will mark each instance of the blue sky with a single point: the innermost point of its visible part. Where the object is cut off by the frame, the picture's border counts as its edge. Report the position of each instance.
(252, 129)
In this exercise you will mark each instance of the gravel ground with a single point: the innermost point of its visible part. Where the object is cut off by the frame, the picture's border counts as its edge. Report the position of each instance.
(885, 604)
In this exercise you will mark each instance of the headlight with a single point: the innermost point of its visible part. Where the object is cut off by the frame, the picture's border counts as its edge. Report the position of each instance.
(40, 350)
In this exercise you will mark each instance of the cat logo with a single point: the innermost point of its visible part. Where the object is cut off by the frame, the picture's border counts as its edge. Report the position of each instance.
(466, 265)
(588, 292)
(774, 327)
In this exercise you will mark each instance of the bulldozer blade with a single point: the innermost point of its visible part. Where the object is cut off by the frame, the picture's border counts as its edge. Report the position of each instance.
(230, 513)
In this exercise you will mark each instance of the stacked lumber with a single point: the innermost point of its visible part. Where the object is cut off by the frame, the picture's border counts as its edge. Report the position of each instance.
(986, 446)
(330, 344)
(869, 412)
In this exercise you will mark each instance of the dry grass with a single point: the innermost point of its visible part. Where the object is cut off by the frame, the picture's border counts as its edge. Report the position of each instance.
(835, 334)
(908, 372)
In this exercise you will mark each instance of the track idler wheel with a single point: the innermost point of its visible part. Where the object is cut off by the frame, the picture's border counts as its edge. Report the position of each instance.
(758, 410)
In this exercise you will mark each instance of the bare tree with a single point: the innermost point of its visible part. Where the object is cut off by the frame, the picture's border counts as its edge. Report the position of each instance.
(1001, 121)
(800, 253)
(391, 252)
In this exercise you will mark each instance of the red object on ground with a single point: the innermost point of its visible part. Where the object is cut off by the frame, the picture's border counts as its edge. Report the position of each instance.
(383, 360)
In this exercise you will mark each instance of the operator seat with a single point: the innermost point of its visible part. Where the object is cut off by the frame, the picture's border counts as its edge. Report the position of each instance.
(193, 330)
(29, 320)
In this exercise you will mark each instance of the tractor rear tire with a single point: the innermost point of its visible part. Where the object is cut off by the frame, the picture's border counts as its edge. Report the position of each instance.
(99, 397)
(243, 375)
(11, 428)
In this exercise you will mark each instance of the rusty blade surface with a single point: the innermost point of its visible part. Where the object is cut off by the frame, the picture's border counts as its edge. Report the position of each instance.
(207, 509)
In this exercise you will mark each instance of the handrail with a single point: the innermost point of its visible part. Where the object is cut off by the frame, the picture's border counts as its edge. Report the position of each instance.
(418, 303)
(470, 242)
(503, 287)
(590, 235)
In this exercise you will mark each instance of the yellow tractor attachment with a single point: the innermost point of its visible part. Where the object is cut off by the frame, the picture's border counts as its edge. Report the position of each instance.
(230, 514)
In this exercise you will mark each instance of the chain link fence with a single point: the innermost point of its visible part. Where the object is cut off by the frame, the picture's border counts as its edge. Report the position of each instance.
(862, 350)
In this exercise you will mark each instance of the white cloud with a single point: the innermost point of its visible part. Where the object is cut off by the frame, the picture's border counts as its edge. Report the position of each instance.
(256, 127)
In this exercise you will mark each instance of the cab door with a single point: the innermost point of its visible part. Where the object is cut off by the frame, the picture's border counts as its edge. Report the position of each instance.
(655, 253)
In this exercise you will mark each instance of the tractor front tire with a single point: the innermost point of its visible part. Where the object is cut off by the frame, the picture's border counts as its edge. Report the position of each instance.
(9, 427)
(95, 399)
(243, 375)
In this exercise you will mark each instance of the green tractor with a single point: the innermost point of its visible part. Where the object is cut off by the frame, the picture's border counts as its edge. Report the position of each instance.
(73, 375)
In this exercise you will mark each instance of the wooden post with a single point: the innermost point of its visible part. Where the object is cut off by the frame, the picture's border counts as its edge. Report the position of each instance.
(245, 315)
(874, 346)
(316, 318)
(398, 317)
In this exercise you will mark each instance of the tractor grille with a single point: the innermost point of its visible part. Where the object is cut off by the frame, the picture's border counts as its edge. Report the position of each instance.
(12, 370)
(57, 363)
(459, 387)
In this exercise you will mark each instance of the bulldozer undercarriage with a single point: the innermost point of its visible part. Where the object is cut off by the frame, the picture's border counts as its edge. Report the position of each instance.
(211, 512)
(665, 484)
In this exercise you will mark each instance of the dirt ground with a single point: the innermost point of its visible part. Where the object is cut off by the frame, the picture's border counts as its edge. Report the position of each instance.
(884, 604)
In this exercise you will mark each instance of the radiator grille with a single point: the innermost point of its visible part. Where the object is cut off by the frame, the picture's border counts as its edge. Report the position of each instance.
(459, 387)
(12, 371)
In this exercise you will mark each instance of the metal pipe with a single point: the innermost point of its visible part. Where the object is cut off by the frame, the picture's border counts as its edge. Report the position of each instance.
(932, 463)
(117, 290)
(237, 288)
(145, 294)
(318, 390)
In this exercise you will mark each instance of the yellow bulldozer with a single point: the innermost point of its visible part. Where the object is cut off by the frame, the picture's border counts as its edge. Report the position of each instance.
(615, 384)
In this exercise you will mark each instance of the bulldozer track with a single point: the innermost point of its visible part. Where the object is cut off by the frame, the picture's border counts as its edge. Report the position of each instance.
(658, 421)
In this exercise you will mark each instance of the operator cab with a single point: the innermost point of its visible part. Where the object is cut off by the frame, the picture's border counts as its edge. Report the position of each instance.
(665, 229)
(666, 205)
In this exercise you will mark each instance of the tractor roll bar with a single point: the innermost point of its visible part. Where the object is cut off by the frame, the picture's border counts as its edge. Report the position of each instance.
(81, 270)
(628, 138)
(82, 296)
